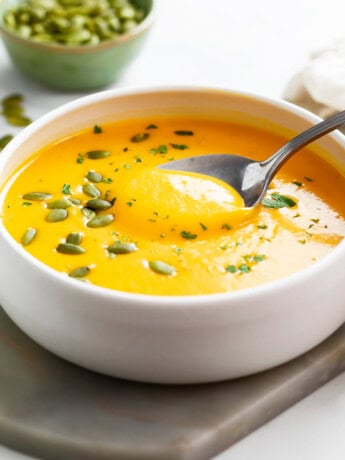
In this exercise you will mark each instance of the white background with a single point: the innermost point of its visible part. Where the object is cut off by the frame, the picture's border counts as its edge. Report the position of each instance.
(248, 45)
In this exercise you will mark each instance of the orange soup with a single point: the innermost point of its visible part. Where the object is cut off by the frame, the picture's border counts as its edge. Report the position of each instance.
(95, 207)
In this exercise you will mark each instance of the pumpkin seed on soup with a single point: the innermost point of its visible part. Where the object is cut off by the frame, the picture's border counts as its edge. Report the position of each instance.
(69, 248)
(98, 154)
(79, 272)
(100, 221)
(57, 215)
(36, 196)
(28, 236)
(161, 267)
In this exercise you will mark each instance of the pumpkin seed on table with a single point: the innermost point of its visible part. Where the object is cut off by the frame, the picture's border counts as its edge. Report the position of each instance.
(79, 272)
(57, 215)
(5, 140)
(74, 238)
(91, 190)
(122, 248)
(69, 248)
(36, 196)
(28, 236)
(100, 221)
(162, 267)
(13, 110)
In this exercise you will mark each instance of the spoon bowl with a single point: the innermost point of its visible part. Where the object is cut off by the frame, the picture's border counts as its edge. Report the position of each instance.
(248, 177)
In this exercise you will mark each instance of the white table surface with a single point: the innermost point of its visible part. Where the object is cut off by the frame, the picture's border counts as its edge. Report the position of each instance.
(253, 46)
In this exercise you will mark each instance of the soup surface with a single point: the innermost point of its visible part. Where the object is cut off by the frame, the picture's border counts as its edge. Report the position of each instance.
(95, 207)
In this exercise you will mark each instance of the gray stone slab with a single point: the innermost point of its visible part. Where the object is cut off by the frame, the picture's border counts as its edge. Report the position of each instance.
(54, 410)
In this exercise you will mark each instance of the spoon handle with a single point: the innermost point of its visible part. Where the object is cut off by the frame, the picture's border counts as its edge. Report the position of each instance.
(274, 162)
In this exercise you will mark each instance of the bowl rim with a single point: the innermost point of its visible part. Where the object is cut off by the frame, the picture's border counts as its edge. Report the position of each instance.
(160, 301)
(140, 28)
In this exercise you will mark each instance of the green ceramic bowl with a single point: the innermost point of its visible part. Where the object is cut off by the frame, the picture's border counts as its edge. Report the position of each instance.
(76, 67)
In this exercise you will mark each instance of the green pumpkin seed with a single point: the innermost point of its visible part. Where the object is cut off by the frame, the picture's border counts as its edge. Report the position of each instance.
(74, 201)
(91, 190)
(97, 154)
(68, 248)
(122, 248)
(36, 196)
(74, 238)
(88, 213)
(79, 272)
(140, 137)
(18, 121)
(99, 205)
(57, 215)
(94, 176)
(59, 204)
(100, 221)
(73, 22)
(29, 236)
(5, 140)
(162, 267)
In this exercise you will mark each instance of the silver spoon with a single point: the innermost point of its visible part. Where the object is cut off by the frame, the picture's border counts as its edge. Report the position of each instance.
(251, 178)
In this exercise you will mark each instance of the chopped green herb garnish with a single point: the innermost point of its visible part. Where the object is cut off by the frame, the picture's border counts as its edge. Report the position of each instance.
(188, 235)
(262, 226)
(109, 180)
(296, 182)
(97, 129)
(259, 257)
(316, 221)
(80, 158)
(26, 203)
(278, 201)
(302, 241)
(231, 269)
(160, 149)
(309, 179)
(203, 226)
(179, 146)
(66, 189)
(152, 126)
(138, 159)
(226, 227)
(244, 268)
(184, 133)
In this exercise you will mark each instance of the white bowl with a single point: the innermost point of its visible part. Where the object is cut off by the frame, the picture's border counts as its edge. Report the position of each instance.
(169, 339)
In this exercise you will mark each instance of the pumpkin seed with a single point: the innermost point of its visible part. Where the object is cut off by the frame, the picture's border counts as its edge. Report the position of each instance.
(29, 236)
(59, 204)
(68, 248)
(140, 137)
(57, 215)
(122, 248)
(98, 205)
(73, 22)
(74, 201)
(74, 238)
(91, 190)
(5, 140)
(88, 213)
(94, 176)
(162, 267)
(97, 154)
(79, 272)
(100, 221)
(36, 196)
